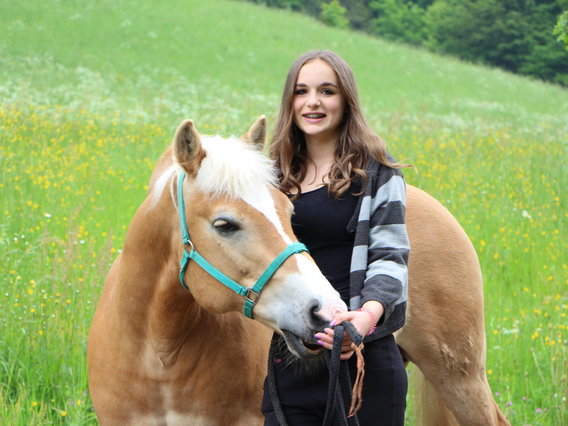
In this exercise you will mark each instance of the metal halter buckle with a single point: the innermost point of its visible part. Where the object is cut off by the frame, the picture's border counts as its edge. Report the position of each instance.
(189, 245)
(252, 295)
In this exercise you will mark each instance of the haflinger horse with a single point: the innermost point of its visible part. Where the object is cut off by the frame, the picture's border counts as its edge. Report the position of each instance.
(161, 355)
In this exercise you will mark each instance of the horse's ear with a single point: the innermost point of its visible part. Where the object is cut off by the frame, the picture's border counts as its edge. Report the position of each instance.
(187, 147)
(256, 135)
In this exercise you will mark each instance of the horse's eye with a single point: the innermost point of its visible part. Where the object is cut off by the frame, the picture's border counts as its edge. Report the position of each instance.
(225, 226)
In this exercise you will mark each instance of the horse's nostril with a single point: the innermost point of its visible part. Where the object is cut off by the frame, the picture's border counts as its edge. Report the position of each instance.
(315, 318)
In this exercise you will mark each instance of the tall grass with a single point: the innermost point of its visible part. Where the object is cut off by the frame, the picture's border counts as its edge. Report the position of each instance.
(90, 93)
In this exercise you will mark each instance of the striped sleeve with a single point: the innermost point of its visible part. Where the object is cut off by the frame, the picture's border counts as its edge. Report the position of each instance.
(386, 275)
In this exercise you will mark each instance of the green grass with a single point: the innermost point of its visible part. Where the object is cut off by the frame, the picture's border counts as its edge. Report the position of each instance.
(90, 93)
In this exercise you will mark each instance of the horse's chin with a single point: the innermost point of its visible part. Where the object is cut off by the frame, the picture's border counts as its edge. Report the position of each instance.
(303, 349)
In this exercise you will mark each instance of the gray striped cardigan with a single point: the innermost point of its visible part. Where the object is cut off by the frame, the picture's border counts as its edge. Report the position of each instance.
(380, 254)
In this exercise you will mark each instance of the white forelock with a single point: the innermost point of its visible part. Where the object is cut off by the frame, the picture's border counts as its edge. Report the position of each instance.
(234, 168)
(231, 167)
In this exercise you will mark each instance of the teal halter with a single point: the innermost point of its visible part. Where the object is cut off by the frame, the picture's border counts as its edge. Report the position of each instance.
(251, 294)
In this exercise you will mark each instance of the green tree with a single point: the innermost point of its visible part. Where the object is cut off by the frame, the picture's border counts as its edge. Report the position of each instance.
(359, 14)
(334, 14)
(469, 29)
(282, 4)
(511, 34)
(561, 29)
(546, 59)
(399, 20)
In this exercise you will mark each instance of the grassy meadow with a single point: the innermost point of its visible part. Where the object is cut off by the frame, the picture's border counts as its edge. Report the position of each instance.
(91, 92)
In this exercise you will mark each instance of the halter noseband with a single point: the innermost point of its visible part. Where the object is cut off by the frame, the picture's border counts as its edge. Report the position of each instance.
(189, 252)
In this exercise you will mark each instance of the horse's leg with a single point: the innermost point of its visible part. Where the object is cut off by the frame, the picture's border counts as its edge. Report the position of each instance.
(445, 337)
(429, 408)
(456, 372)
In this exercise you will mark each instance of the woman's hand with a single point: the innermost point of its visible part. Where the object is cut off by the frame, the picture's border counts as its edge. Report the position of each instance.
(362, 320)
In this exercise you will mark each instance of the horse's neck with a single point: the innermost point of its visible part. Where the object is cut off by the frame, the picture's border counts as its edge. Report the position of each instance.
(156, 311)
(152, 299)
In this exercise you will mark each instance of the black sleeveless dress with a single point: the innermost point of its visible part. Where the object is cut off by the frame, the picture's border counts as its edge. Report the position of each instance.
(320, 222)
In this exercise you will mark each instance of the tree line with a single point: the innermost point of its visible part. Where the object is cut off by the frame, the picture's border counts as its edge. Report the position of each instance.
(528, 37)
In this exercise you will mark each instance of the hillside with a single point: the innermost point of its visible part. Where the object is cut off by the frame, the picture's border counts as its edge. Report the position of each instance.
(185, 58)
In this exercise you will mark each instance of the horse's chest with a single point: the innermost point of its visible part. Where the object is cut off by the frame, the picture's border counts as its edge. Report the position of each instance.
(172, 418)
(201, 397)
(179, 419)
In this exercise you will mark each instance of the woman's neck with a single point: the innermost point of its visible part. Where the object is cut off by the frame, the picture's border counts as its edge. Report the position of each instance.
(321, 157)
(321, 149)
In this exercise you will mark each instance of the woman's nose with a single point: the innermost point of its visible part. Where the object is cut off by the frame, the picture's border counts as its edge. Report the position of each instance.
(313, 101)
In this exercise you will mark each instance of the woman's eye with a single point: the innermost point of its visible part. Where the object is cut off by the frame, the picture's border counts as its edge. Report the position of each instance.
(328, 92)
(300, 92)
(225, 226)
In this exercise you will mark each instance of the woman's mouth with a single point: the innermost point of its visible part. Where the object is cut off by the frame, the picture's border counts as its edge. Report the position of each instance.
(314, 117)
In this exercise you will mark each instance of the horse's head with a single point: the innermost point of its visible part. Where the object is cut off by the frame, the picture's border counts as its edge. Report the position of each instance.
(240, 222)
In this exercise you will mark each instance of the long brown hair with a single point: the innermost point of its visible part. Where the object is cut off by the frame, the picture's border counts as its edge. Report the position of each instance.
(356, 140)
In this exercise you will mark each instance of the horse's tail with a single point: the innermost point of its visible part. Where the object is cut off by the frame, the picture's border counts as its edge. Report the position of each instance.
(430, 408)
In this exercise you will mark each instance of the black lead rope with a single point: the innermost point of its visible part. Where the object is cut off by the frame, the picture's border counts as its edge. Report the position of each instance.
(339, 390)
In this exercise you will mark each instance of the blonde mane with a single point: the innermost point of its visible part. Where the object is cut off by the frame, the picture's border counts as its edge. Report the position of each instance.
(231, 168)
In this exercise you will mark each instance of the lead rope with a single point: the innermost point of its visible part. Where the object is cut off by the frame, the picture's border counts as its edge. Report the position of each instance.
(357, 346)
(337, 398)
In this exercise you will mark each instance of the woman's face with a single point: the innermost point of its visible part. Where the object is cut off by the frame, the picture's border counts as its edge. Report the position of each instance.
(318, 104)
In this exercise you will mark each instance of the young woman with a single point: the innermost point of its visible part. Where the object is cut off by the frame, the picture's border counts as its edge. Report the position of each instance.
(349, 200)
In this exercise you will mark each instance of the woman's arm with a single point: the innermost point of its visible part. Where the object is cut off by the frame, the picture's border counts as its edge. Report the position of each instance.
(386, 277)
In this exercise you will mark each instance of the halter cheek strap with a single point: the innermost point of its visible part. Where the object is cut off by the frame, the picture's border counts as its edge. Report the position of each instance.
(251, 294)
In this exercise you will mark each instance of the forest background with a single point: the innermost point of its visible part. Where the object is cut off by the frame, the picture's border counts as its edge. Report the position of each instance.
(521, 36)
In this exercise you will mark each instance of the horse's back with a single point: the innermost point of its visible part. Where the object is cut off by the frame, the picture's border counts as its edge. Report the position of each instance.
(444, 276)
